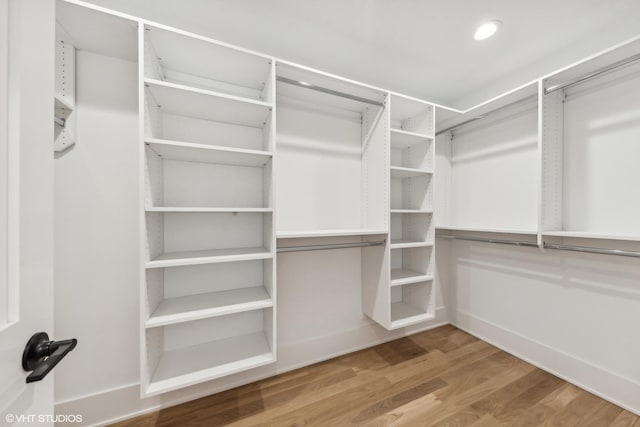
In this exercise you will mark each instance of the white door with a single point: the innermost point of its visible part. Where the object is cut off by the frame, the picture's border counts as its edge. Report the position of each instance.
(26, 203)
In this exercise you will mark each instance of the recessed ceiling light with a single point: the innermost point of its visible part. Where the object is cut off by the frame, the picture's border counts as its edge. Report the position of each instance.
(486, 30)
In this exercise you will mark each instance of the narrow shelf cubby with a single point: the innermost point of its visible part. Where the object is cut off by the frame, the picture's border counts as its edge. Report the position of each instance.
(183, 354)
(411, 193)
(413, 152)
(411, 230)
(411, 303)
(410, 265)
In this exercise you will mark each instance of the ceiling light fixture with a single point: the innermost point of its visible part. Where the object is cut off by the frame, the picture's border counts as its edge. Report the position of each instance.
(486, 30)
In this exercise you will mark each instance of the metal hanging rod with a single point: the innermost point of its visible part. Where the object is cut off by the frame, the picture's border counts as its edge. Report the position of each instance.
(331, 246)
(545, 245)
(599, 72)
(488, 113)
(328, 91)
(485, 240)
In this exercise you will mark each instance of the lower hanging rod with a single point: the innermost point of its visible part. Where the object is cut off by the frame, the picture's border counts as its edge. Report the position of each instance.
(328, 91)
(331, 246)
(545, 245)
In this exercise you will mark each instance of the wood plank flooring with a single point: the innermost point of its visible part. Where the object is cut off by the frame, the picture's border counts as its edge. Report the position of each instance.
(442, 377)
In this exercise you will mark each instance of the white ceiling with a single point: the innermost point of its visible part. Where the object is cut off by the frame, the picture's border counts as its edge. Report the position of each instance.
(423, 48)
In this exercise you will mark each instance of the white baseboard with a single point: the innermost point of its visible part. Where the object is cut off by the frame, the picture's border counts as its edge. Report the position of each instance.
(592, 378)
(124, 402)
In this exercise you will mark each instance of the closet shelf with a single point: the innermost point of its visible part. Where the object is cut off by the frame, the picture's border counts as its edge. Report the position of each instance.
(589, 235)
(191, 365)
(403, 276)
(208, 105)
(398, 172)
(411, 211)
(486, 230)
(328, 233)
(403, 314)
(401, 139)
(212, 304)
(209, 59)
(203, 153)
(174, 259)
(207, 210)
(401, 244)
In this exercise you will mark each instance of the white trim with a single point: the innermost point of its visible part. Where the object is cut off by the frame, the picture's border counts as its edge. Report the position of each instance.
(595, 379)
(125, 401)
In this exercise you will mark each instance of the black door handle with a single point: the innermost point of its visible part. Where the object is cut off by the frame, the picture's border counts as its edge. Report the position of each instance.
(41, 355)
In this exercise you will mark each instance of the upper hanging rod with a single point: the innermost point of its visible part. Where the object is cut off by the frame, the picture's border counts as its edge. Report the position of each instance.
(331, 246)
(599, 72)
(545, 245)
(329, 91)
(482, 116)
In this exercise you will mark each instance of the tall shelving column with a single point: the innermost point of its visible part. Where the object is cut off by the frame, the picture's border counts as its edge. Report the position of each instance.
(412, 236)
(208, 282)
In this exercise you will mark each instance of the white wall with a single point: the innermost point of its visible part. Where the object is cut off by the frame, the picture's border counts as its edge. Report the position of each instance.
(573, 314)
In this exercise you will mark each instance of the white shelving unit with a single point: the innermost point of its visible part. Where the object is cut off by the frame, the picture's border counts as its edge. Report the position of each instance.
(208, 293)
(487, 165)
(405, 296)
(590, 150)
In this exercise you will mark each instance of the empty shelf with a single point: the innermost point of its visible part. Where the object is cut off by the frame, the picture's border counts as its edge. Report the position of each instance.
(401, 243)
(290, 234)
(191, 365)
(401, 139)
(203, 57)
(173, 259)
(201, 306)
(188, 152)
(403, 314)
(207, 210)
(398, 172)
(208, 105)
(411, 211)
(403, 276)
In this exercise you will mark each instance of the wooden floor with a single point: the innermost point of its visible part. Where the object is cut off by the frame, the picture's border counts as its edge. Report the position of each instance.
(442, 377)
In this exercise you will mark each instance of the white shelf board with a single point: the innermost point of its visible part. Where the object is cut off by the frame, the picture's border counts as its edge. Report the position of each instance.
(191, 365)
(403, 314)
(212, 304)
(398, 172)
(401, 139)
(208, 105)
(206, 210)
(589, 235)
(401, 244)
(403, 276)
(174, 259)
(202, 153)
(411, 211)
(293, 234)
(486, 230)
(203, 57)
